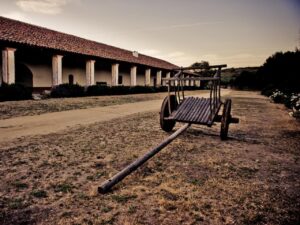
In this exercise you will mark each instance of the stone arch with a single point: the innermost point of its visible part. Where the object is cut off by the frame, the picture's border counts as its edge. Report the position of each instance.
(23, 75)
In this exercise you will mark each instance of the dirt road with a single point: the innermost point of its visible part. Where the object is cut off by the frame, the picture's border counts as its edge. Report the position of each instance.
(53, 122)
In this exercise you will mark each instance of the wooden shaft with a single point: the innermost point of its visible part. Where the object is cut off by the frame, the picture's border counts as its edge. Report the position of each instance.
(108, 184)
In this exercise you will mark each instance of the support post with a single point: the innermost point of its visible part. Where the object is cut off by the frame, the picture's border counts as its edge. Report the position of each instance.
(56, 70)
(168, 75)
(8, 66)
(133, 76)
(158, 78)
(90, 72)
(115, 74)
(192, 83)
(147, 77)
(187, 82)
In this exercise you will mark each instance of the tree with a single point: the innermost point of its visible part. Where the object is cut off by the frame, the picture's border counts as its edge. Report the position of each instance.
(281, 71)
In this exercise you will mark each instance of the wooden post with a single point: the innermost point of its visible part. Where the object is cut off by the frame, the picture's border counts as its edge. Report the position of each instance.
(108, 184)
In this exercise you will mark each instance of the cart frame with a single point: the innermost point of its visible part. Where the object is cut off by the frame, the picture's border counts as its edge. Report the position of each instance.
(191, 110)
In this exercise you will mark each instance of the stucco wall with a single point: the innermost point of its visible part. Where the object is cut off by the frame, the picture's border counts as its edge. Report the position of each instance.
(78, 74)
(126, 78)
(42, 75)
(140, 79)
(103, 76)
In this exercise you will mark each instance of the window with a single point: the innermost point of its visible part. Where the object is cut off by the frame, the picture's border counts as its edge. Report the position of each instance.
(120, 80)
(71, 79)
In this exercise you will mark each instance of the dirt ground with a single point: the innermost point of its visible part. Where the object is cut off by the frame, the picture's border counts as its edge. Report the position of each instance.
(252, 178)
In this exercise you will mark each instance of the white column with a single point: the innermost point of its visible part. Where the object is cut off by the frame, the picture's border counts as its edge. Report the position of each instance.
(168, 75)
(115, 74)
(192, 83)
(147, 77)
(8, 66)
(158, 78)
(90, 72)
(57, 70)
(187, 82)
(133, 76)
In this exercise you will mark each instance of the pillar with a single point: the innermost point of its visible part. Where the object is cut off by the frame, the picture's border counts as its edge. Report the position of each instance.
(148, 77)
(57, 70)
(90, 72)
(133, 76)
(187, 82)
(115, 74)
(158, 78)
(192, 83)
(168, 75)
(8, 66)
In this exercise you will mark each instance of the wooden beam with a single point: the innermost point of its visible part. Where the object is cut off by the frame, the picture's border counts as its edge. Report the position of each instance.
(108, 184)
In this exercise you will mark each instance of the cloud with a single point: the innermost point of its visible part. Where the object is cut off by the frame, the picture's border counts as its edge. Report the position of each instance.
(50, 7)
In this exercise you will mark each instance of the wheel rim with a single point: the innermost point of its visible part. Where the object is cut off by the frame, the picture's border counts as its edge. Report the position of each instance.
(225, 119)
(167, 125)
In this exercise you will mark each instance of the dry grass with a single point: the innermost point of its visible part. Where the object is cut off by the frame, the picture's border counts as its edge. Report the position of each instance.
(253, 178)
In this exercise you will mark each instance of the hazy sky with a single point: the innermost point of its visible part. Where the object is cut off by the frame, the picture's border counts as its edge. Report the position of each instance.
(236, 32)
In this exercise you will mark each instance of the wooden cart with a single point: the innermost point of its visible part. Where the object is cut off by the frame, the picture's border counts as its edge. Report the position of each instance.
(195, 110)
(189, 110)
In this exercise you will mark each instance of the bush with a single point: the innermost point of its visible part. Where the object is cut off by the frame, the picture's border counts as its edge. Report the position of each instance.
(290, 100)
(282, 71)
(67, 90)
(98, 90)
(142, 89)
(14, 92)
(279, 97)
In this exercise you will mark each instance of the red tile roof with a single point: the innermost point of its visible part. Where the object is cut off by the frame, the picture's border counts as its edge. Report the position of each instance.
(24, 33)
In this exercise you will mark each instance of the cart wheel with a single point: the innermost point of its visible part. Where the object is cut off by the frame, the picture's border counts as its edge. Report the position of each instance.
(167, 125)
(225, 120)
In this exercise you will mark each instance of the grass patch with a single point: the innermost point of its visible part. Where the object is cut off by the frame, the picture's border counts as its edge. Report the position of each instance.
(64, 188)
(39, 194)
(20, 186)
(123, 198)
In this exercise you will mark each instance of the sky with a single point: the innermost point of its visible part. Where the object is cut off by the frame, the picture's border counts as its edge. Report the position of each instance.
(234, 32)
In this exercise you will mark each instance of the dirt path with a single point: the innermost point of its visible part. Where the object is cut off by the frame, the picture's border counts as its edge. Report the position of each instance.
(53, 122)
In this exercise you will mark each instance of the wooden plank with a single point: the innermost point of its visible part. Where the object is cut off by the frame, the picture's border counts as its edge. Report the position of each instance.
(203, 110)
(193, 108)
(200, 105)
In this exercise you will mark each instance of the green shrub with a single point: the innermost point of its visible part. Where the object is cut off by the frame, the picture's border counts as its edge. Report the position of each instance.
(98, 90)
(142, 89)
(279, 97)
(14, 92)
(67, 90)
(120, 90)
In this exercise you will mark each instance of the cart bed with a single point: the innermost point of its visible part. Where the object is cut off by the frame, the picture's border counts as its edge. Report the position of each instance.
(196, 110)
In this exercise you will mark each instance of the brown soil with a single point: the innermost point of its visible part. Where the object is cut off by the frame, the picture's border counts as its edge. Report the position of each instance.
(253, 178)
